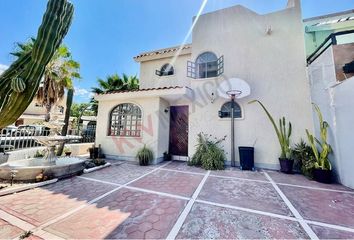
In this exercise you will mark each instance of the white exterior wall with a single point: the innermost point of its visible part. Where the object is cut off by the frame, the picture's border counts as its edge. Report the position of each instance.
(273, 65)
(126, 148)
(337, 103)
(148, 78)
(164, 128)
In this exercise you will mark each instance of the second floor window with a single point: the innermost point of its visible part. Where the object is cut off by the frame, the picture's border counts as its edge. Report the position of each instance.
(207, 65)
(166, 70)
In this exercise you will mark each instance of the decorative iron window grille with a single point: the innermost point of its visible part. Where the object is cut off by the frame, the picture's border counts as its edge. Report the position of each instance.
(125, 120)
(225, 111)
(207, 65)
(166, 70)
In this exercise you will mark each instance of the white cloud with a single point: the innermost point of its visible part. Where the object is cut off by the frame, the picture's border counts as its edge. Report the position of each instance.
(82, 92)
(3, 68)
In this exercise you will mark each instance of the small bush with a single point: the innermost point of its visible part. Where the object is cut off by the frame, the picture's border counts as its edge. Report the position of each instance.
(39, 154)
(145, 156)
(304, 158)
(209, 155)
(94, 163)
(89, 164)
(99, 162)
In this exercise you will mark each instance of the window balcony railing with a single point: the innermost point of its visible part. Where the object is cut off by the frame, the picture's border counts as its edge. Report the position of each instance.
(205, 69)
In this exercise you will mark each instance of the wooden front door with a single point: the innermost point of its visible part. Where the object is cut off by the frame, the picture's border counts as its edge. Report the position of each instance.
(178, 130)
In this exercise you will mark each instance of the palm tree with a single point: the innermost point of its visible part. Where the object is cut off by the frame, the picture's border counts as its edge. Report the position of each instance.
(114, 83)
(58, 75)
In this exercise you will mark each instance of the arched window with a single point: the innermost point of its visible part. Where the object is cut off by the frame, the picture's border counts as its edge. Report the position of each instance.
(225, 111)
(166, 70)
(125, 120)
(207, 65)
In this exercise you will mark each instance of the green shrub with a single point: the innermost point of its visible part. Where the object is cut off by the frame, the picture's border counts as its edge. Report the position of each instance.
(304, 158)
(209, 155)
(98, 162)
(145, 156)
(39, 154)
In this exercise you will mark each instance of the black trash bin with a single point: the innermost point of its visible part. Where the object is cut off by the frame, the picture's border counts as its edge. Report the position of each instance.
(246, 158)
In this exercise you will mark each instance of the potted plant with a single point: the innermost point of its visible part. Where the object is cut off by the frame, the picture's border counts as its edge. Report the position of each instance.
(145, 155)
(166, 156)
(304, 159)
(283, 132)
(321, 149)
(67, 151)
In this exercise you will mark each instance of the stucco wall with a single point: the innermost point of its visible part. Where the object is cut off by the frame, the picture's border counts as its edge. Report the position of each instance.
(164, 128)
(127, 147)
(337, 104)
(273, 65)
(148, 78)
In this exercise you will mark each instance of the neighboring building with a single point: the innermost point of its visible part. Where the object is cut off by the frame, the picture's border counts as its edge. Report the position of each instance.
(331, 75)
(317, 29)
(178, 96)
(35, 113)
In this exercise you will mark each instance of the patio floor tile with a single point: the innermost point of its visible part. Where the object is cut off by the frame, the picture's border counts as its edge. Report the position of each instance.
(115, 162)
(323, 206)
(8, 231)
(125, 214)
(206, 221)
(247, 194)
(39, 205)
(234, 172)
(183, 184)
(183, 166)
(120, 174)
(298, 179)
(330, 233)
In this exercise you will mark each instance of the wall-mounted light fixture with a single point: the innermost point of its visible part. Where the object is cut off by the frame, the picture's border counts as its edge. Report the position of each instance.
(269, 30)
(212, 97)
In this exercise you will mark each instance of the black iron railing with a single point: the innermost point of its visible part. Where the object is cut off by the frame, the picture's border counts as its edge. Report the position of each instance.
(329, 41)
(13, 138)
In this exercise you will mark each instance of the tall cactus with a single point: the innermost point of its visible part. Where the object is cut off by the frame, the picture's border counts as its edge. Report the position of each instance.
(20, 82)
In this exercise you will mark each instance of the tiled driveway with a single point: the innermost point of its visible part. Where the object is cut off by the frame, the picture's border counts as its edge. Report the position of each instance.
(173, 200)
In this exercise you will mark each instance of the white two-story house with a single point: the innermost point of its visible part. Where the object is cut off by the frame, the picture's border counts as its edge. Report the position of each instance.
(178, 96)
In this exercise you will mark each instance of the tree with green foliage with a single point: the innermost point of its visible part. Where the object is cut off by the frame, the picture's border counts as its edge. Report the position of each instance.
(58, 76)
(81, 109)
(114, 83)
(20, 82)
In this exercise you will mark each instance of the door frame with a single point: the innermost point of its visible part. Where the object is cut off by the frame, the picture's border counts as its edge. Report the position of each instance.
(180, 157)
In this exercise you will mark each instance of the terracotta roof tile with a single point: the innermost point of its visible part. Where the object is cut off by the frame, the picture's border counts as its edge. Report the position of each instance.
(142, 90)
(162, 51)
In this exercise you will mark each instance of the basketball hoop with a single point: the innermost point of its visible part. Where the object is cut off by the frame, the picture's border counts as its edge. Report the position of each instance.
(234, 93)
(233, 88)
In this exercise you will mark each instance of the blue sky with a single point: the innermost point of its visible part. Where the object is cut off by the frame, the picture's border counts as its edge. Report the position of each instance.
(107, 34)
